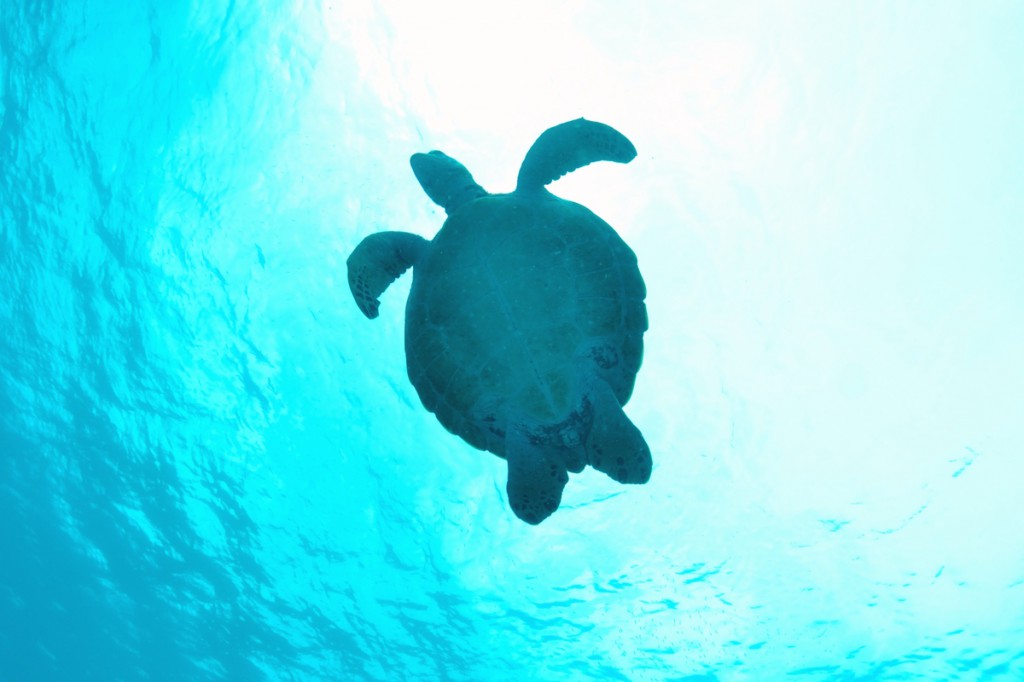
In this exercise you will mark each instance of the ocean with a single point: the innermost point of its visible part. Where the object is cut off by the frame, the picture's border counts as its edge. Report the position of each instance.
(214, 467)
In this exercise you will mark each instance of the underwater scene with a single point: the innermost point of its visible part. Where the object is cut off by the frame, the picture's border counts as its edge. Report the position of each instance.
(477, 341)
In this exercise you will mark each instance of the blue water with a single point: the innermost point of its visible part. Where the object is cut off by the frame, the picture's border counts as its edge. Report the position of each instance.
(212, 467)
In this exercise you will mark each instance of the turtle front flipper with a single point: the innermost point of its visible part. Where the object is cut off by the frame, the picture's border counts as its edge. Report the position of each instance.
(568, 146)
(535, 479)
(445, 180)
(615, 446)
(377, 262)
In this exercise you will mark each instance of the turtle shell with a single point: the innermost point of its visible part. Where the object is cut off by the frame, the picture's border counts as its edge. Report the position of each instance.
(515, 298)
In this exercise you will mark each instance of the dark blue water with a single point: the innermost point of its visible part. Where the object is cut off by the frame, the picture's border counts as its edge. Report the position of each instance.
(213, 467)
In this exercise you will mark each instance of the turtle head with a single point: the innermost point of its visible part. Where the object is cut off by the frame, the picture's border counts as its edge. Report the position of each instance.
(445, 180)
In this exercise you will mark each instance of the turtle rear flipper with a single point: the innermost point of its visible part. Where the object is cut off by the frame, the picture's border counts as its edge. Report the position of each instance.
(377, 262)
(568, 146)
(615, 446)
(535, 478)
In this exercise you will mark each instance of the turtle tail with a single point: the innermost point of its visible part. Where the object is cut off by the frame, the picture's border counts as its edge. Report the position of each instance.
(568, 146)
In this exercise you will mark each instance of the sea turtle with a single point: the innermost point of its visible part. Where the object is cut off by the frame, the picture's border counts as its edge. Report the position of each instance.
(525, 320)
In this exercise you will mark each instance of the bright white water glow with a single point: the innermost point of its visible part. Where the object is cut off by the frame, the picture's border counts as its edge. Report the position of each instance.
(213, 467)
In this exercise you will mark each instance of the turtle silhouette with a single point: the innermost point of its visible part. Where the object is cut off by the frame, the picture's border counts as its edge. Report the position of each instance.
(525, 320)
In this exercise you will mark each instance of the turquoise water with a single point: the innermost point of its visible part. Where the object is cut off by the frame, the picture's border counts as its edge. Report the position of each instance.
(213, 467)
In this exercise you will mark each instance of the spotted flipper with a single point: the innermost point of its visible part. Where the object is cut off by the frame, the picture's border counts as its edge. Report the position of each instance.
(377, 262)
(535, 478)
(615, 446)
